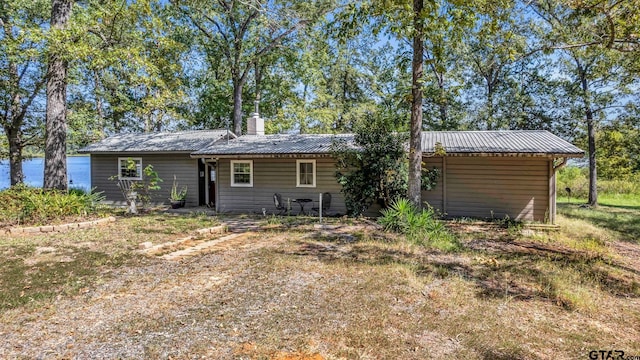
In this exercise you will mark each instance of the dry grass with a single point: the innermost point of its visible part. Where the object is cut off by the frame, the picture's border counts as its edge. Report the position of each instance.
(292, 292)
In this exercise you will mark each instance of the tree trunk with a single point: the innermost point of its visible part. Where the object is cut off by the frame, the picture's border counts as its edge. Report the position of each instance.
(443, 103)
(593, 171)
(237, 107)
(490, 90)
(159, 120)
(55, 161)
(15, 157)
(12, 128)
(302, 125)
(591, 137)
(415, 137)
(99, 110)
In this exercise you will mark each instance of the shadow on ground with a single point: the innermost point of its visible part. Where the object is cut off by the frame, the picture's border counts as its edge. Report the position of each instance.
(625, 220)
(518, 270)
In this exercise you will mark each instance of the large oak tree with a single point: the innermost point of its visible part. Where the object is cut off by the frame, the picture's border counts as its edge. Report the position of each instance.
(246, 33)
(55, 160)
(22, 76)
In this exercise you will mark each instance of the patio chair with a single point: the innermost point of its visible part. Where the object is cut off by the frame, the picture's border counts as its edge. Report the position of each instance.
(280, 206)
(130, 195)
(326, 204)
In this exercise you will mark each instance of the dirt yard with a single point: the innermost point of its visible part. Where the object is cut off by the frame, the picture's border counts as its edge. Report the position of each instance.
(289, 290)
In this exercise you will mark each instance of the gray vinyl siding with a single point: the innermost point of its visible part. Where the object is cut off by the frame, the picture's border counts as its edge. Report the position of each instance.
(184, 167)
(273, 175)
(493, 187)
(497, 187)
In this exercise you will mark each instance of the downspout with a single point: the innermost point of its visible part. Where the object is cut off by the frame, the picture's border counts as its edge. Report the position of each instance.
(560, 165)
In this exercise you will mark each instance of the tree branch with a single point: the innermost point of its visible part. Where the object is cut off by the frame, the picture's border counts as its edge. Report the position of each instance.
(608, 107)
(224, 5)
(208, 34)
(275, 41)
(113, 19)
(218, 27)
(202, 29)
(24, 71)
(245, 24)
(25, 106)
(104, 39)
(29, 140)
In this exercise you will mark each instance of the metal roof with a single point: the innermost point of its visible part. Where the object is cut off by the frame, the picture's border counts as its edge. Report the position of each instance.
(275, 144)
(526, 142)
(504, 142)
(179, 141)
(202, 143)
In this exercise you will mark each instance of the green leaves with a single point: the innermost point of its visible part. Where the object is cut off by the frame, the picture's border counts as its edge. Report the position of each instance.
(377, 171)
(420, 226)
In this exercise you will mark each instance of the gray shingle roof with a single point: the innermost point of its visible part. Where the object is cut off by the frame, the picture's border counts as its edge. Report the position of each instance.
(179, 141)
(532, 142)
(274, 144)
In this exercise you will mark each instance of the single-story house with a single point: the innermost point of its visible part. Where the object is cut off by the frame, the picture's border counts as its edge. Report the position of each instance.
(483, 174)
(168, 152)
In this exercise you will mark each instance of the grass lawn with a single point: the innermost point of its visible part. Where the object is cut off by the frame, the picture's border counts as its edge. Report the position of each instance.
(291, 291)
(625, 201)
(622, 219)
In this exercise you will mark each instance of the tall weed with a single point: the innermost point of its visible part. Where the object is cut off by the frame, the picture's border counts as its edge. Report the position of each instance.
(577, 179)
(418, 225)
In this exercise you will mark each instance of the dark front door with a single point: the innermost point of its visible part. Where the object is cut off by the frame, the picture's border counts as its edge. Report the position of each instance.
(202, 168)
(212, 186)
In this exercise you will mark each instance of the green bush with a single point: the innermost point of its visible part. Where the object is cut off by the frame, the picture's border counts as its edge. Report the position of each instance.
(628, 186)
(375, 171)
(418, 225)
(26, 205)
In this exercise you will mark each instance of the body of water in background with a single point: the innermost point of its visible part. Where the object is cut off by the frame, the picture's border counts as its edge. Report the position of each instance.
(78, 172)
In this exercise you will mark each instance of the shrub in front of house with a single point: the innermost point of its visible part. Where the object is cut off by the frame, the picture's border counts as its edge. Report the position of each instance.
(27, 205)
(418, 225)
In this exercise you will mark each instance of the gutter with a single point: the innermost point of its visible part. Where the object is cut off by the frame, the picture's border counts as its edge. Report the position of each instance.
(495, 154)
(261, 156)
(186, 152)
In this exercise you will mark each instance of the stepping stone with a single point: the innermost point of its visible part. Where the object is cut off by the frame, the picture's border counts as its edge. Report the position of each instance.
(200, 248)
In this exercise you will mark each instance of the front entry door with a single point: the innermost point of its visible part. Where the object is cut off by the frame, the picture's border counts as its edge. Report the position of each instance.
(207, 184)
(212, 185)
(202, 182)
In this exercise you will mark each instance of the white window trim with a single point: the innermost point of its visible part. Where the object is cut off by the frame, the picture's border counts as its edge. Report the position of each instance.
(233, 178)
(121, 159)
(298, 162)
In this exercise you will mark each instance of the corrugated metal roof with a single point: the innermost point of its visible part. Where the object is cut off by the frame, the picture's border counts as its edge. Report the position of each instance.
(275, 144)
(212, 142)
(499, 142)
(179, 141)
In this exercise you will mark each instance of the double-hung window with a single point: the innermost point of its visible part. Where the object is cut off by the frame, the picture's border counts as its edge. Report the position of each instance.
(129, 168)
(306, 173)
(242, 173)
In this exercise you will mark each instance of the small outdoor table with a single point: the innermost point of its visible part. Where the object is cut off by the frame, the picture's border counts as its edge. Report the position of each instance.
(302, 203)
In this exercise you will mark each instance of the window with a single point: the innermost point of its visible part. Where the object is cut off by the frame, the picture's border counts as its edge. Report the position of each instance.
(242, 173)
(306, 173)
(129, 168)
